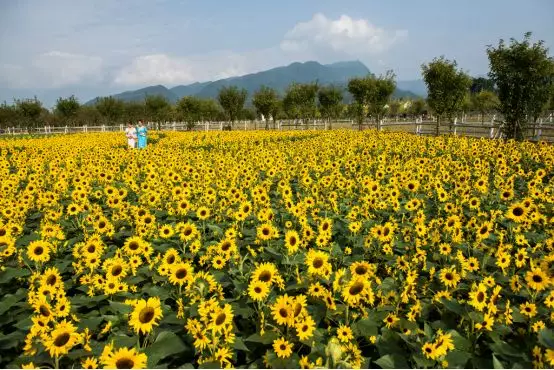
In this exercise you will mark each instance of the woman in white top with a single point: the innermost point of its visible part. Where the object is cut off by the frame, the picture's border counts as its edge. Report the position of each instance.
(131, 134)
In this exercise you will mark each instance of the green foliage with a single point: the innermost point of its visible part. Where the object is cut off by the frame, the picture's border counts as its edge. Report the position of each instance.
(482, 84)
(157, 108)
(484, 102)
(28, 111)
(417, 107)
(330, 102)
(300, 100)
(8, 115)
(524, 75)
(371, 94)
(447, 87)
(265, 100)
(232, 101)
(67, 109)
(111, 109)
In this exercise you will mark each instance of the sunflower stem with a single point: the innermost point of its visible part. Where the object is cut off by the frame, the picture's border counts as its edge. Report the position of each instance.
(57, 362)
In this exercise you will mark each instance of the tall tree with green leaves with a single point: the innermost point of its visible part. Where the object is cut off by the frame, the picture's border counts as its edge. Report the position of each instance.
(157, 108)
(371, 95)
(524, 74)
(232, 100)
(111, 109)
(29, 111)
(484, 102)
(300, 100)
(67, 109)
(447, 87)
(417, 107)
(330, 102)
(8, 116)
(264, 100)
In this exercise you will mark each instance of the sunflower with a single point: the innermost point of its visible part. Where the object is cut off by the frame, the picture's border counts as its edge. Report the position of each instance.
(283, 349)
(166, 232)
(357, 290)
(43, 308)
(528, 309)
(390, 320)
(258, 290)
(266, 231)
(39, 251)
(145, 315)
(181, 273)
(171, 257)
(486, 324)
(61, 339)
(89, 363)
(317, 263)
(63, 307)
(478, 297)
(344, 333)
(218, 262)
(203, 213)
(305, 328)
(133, 245)
(283, 311)
(221, 318)
(265, 272)
(517, 212)
(188, 231)
(292, 241)
(537, 279)
(429, 351)
(125, 358)
(449, 277)
(51, 277)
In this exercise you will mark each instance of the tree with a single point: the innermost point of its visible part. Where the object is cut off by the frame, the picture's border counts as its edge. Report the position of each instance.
(67, 109)
(265, 100)
(300, 100)
(481, 84)
(394, 108)
(232, 100)
(484, 102)
(8, 116)
(134, 111)
(371, 95)
(110, 108)
(157, 108)
(446, 87)
(417, 107)
(28, 111)
(330, 102)
(523, 74)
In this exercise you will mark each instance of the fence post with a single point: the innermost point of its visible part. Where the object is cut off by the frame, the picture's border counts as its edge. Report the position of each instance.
(244, 125)
(456, 126)
(539, 131)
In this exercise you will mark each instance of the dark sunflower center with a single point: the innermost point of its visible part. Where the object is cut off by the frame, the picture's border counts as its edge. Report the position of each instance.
(125, 363)
(62, 339)
(518, 211)
(265, 231)
(170, 259)
(283, 347)
(187, 231)
(480, 297)
(146, 315)
(318, 262)
(220, 319)
(117, 270)
(356, 289)
(39, 250)
(537, 278)
(265, 276)
(283, 312)
(361, 270)
(51, 280)
(181, 273)
(292, 240)
(258, 289)
(133, 246)
(44, 311)
(448, 276)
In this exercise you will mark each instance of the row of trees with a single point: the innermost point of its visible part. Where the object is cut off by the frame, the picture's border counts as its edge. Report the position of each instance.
(520, 87)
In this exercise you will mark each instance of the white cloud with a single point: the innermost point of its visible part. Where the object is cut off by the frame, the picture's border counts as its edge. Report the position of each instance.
(53, 69)
(344, 35)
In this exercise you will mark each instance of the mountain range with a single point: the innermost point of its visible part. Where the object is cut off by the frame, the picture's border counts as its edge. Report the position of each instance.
(278, 78)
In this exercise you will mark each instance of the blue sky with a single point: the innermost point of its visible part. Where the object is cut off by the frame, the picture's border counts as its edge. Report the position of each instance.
(89, 48)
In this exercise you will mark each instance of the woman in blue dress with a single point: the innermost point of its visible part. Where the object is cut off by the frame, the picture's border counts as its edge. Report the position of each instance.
(141, 131)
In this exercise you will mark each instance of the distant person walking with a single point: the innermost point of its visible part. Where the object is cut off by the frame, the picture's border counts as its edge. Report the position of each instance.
(131, 134)
(141, 131)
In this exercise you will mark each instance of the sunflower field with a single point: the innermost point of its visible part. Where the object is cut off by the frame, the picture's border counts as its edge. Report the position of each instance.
(335, 249)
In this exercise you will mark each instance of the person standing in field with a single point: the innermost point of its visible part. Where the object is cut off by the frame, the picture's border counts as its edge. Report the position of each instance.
(141, 131)
(131, 134)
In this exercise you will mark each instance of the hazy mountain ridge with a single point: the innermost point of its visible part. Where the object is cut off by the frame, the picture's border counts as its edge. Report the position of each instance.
(278, 78)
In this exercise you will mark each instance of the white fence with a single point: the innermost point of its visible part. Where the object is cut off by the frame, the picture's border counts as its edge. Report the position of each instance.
(542, 130)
